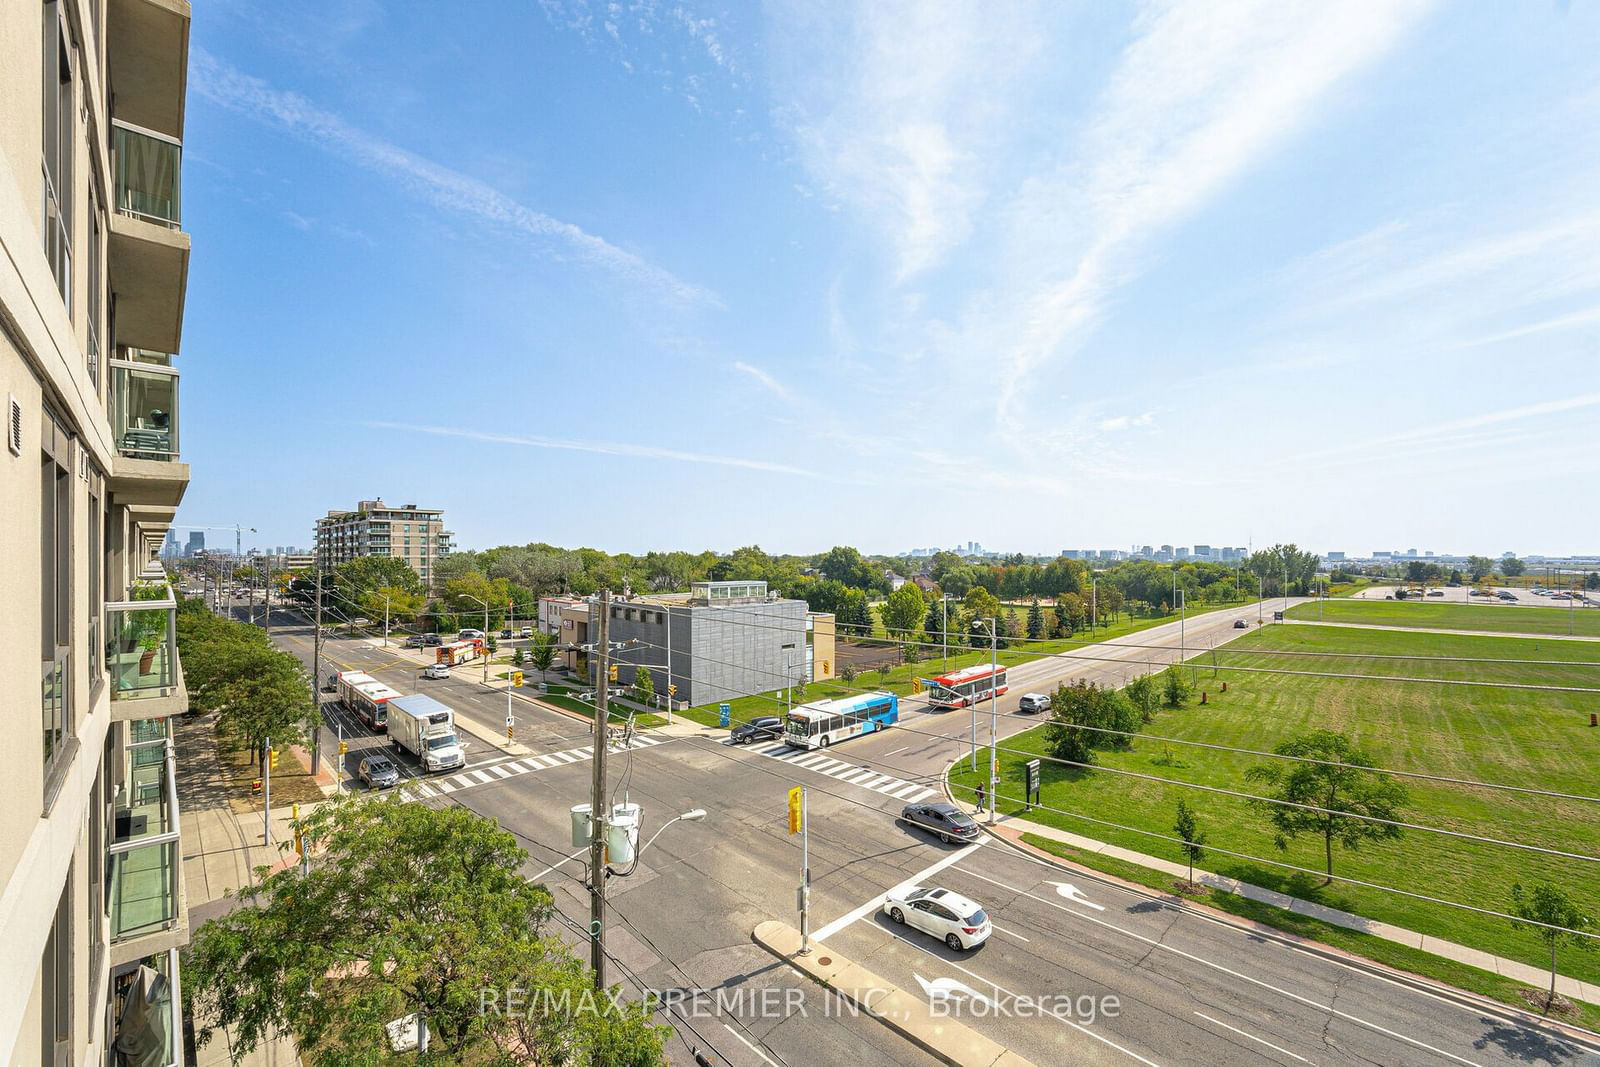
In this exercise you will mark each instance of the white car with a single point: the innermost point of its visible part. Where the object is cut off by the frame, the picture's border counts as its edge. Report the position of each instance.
(527, 631)
(436, 670)
(947, 915)
(1032, 702)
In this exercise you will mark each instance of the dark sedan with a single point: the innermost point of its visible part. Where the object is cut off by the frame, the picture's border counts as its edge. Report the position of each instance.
(767, 728)
(946, 820)
(378, 772)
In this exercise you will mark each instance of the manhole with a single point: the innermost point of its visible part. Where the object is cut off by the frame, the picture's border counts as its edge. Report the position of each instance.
(823, 961)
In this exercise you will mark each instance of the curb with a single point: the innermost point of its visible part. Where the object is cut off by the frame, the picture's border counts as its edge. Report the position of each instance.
(946, 1040)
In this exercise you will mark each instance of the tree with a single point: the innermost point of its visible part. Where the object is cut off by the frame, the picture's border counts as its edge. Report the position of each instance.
(1592, 580)
(542, 652)
(1512, 567)
(1085, 716)
(405, 908)
(1035, 620)
(1480, 567)
(1063, 614)
(1416, 571)
(1141, 693)
(902, 612)
(1175, 689)
(979, 604)
(1012, 629)
(517, 658)
(847, 673)
(257, 691)
(358, 576)
(1336, 796)
(644, 686)
(1188, 830)
(1554, 919)
(844, 564)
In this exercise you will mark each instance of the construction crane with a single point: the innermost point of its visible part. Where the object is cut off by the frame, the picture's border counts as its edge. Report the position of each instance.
(239, 530)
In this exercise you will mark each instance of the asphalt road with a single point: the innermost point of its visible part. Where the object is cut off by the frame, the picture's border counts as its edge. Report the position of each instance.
(1187, 988)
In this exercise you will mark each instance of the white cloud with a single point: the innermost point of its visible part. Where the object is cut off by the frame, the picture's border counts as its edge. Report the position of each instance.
(603, 448)
(446, 188)
(771, 384)
(1125, 422)
(1201, 94)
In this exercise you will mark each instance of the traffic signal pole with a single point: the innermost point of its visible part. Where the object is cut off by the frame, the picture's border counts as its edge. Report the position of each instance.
(597, 800)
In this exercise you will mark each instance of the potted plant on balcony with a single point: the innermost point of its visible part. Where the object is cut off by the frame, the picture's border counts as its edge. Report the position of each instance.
(149, 626)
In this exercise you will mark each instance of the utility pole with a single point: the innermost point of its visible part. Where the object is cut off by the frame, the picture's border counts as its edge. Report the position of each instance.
(316, 686)
(266, 792)
(994, 716)
(597, 800)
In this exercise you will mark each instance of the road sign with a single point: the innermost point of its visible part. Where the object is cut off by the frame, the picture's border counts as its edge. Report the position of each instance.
(724, 715)
(797, 819)
(1033, 781)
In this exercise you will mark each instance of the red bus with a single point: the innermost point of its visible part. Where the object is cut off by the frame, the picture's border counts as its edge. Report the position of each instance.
(967, 686)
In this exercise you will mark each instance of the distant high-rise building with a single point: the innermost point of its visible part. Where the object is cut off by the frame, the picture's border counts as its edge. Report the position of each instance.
(1202, 551)
(1182, 552)
(1334, 557)
(169, 546)
(416, 535)
(196, 543)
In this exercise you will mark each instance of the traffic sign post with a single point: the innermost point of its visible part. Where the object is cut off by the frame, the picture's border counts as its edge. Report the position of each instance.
(797, 825)
(1033, 785)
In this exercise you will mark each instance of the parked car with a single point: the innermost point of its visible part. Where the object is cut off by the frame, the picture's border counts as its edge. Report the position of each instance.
(1436, 592)
(947, 915)
(943, 819)
(436, 670)
(432, 639)
(1032, 702)
(527, 631)
(467, 635)
(505, 634)
(766, 728)
(1240, 624)
(414, 641)
(378, 772)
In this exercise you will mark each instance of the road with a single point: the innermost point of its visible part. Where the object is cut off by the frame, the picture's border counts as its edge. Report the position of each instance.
(1103, 974)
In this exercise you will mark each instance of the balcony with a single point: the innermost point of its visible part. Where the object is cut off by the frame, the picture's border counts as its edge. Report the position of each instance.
(143, 863)
(147, 54)
(148, 274)
(146, 1017)
(142, 657)
(148, 170)
(144, 410)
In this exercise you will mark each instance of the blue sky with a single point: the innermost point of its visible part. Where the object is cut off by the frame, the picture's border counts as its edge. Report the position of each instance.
(662, 275)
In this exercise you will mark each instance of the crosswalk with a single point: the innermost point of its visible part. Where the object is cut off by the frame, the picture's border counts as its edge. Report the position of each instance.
(423, 788)
(866, 778)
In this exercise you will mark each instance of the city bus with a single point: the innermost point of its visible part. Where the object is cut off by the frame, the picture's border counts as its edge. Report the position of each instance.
(967, 686)
(366, 697)
(825, 722)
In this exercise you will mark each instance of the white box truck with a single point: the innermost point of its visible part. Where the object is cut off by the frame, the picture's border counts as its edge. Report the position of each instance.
(426, 729)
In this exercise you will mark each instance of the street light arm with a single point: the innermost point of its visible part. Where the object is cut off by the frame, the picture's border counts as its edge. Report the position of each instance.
(693, 815)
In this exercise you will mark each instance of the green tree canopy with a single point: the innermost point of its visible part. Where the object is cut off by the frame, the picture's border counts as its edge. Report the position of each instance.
(1335, 798)
(1512, 567)
(1554, 919)
(1080, 712)
(405, 908)
(902, 612)
(1480, 567)
(1187, 827)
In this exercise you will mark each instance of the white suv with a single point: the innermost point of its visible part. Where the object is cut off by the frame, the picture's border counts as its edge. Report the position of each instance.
(1032, 702)
(949, 916)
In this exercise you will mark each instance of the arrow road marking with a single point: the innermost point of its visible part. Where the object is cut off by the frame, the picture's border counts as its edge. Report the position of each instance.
(942, 988)
(1071, 892)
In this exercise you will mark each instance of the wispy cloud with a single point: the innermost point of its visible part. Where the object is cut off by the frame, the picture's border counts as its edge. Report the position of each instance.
(1125, 422)
(1201, 94)
(450, 189)
(602, 448)
(767, 381)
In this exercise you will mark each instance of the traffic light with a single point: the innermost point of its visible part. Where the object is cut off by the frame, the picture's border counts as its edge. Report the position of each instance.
(272, 758)
(613, 672)
(825, 669)
(344, 747)
(516, 679)
(797, 819)
(916, 685)
(672, 690)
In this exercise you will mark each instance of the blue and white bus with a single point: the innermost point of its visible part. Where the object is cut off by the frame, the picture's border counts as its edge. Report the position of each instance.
(826, 722)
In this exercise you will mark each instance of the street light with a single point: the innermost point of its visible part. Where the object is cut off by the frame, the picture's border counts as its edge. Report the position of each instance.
(692, 815)
(994, 710)
(475, 600)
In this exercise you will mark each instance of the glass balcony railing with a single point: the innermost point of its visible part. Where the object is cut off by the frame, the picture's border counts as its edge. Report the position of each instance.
(142, 861)
(148, 167)
(144, 409)
(142, 647)
(146, 1012)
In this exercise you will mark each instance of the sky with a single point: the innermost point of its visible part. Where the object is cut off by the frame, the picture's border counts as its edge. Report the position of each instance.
(656, 275)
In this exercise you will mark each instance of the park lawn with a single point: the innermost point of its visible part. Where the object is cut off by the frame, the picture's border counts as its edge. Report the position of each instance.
(1517, 737)
(1402, 957)
(1481, 617)
(901, 680)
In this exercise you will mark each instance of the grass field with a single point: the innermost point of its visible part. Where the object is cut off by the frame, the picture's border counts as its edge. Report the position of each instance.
(1520, 737)
(1482, 617)
(899, 680)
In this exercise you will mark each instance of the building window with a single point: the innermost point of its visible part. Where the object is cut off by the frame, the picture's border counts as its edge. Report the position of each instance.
(58, 144)
(96, 297)
(55, 983)
(55, 574)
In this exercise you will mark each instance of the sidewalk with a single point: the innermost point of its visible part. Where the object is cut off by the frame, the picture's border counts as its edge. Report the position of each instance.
(1012, 827)
(221, 850)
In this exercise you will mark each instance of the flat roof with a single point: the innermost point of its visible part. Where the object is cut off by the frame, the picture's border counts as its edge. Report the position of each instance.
(418, 704)
(840, 705)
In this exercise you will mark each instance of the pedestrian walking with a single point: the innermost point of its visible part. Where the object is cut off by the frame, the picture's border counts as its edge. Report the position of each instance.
(983, 797)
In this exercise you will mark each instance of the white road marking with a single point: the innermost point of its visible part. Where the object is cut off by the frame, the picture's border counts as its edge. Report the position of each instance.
(1230, 972)
(902, 748)
(998, 988)
(877, 902)
(747, 1044)
(1252, 1037)
(1009, 933)
(1072, 893)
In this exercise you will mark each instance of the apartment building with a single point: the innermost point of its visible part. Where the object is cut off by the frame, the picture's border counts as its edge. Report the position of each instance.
(416, 535)
(91, 312)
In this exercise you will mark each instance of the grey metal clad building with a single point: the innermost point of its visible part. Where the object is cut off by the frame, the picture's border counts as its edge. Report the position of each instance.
(728, 639)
